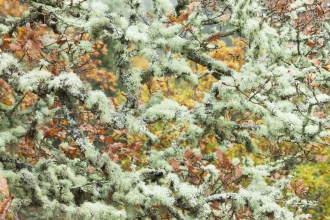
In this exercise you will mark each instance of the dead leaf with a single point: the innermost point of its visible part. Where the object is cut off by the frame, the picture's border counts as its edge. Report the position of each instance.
(64, 122)
(289, 45)
(149, 15)
(90, 170)
(172, 18)
(5, 206)
(191, 6)
(310, 43)
(188, 154)
(108, 140)
(214, 37)
(320, 114)
(319, 10)
(321, 158)
(277, 175)
(174, 163)
(299, 183)
(225, 17)
(120, 131)
(102, 132)
(4, 187)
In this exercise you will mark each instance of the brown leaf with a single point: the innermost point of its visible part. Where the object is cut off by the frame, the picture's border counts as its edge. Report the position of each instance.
(4, 187)
(299, 183)
(5, 206)
(289, 45)
(114, 103)
(321, 158)
(220, 154)
(225, 17)
(174, 163)
(47, 57)
(90, 170)
(116, 146)
(120, 131)
(310, 43)
(277, 175)
(135, 146)
(320, 10)
(320, 114)
(61, 42)
(215, 205)
(238, 172)
(191, 6)
(198, 158)
(214, 37)
(15, 47)
(108, 140)
(55, 70)
(113, 157)
(188, 154)
(122, 156)
(6, 40)
(149, 15)
(183, 17)
(29, 45)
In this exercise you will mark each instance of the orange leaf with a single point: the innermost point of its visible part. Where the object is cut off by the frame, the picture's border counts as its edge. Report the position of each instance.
(4, 186)
(64, 122)
(21, 32)
(108, 140)
(172, 18)
(310, 43)
(114, 103)
(103, 132)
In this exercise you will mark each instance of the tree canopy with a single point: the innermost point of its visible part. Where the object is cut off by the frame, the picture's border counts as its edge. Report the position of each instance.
(187, 109)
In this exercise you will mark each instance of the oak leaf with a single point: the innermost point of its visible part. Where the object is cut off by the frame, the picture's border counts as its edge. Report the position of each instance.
(4, 187)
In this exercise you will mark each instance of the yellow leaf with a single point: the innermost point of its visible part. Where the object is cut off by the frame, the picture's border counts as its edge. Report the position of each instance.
(7, 101)
(64, 122)
(172, 18)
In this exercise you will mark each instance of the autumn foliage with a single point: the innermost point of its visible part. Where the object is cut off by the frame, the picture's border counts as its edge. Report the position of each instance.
(211, 110)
